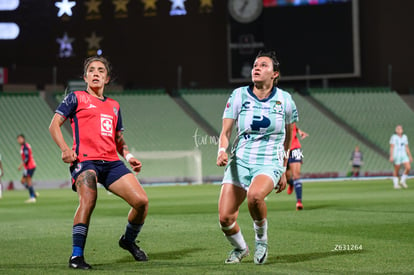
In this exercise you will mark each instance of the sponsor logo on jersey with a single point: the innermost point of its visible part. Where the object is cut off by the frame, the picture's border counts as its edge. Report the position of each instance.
(106, 125)
(246, 104)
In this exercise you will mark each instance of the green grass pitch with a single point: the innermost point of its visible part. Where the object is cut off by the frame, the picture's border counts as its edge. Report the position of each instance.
(353, 227)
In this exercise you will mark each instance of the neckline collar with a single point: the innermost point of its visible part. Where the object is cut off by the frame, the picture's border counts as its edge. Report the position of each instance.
(250, 91)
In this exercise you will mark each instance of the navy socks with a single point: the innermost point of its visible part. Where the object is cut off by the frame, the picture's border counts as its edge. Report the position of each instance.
(79, 233)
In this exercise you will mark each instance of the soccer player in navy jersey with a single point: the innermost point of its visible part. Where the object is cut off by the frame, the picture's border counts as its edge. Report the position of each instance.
(29, 165)
(294, 165)
(97, 139)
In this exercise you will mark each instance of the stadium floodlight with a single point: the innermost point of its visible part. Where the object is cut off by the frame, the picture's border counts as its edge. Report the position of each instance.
(9, 5)
(9, 31)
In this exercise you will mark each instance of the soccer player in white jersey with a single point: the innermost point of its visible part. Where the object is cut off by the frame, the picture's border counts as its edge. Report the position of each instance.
(264, 117)
(400, 154)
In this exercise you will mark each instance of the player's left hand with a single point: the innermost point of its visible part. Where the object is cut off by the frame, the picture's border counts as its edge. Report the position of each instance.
(303, 134)
(281, 185)
(135, 165)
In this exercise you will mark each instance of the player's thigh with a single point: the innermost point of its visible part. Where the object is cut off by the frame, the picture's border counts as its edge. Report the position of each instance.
(86, 187)
(295, 169)
(407, 165)
(262, 185)
(231, 197)
(128, 188)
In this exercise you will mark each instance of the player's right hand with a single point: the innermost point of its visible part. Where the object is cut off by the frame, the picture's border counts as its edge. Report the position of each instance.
(69, 156)
(391, 159)
(222, 159)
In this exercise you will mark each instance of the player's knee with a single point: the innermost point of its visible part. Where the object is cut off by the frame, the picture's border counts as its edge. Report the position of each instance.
(140, 202)
(254, 198)
(227, 222)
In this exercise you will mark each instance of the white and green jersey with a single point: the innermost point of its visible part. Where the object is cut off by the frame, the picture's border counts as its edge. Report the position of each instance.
(399, 146)
(260, 124)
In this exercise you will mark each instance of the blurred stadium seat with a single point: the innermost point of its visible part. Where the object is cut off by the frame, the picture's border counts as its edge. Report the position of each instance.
(328, 147)
(209, 103)
(374, 112)
(30, 115)
(154, 122)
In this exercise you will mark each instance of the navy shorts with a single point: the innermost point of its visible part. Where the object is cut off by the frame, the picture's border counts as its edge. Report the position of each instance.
(28, 173)
(295, 156)
(107, 171)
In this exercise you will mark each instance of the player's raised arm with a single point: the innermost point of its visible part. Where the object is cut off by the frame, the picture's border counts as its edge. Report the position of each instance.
(68, 155)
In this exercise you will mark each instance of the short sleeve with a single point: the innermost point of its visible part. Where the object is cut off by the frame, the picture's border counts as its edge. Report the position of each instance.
(67, 107)
(406, 139)
(291, 111)
(119, 125)
(233, 105)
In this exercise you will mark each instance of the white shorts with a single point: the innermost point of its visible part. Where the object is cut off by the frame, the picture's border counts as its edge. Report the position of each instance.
(241, 174)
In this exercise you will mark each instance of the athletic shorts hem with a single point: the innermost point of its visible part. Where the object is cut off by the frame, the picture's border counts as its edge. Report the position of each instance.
(272, 177)
(28, 173)
(107, 172)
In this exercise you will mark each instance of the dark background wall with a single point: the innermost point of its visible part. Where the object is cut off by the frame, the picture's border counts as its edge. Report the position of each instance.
(147, 52)
(386, 29)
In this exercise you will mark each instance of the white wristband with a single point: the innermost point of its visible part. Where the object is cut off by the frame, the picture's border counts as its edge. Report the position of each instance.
(129, 156)
(222, 149)
(284, 169)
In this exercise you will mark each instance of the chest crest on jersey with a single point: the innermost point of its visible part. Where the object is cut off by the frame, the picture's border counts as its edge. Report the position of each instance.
(107, 125)
(278, 108)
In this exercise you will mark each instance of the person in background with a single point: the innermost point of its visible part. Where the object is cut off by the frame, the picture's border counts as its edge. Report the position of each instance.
(29, 165)
(294, 165)
(400, 154)
(356, 161)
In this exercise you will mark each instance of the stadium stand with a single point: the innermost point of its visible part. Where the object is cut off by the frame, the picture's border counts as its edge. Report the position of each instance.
(328, 148)
(374, 112)
(209, 103)
(154, 122)
(29, 114)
